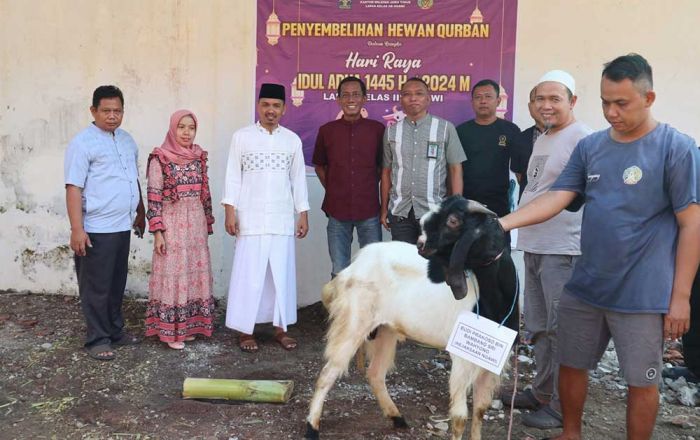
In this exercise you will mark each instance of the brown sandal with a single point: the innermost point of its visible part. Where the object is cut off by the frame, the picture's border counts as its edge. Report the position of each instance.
(247, 343)
(287, 342)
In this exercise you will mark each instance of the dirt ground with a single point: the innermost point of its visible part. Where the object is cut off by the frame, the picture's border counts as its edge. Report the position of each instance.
(50, 389)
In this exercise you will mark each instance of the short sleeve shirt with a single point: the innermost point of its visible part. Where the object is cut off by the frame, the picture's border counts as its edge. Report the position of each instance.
(104, 166)
(560, 235)
(629, 231)
(486, 173)
(352, 155)
(418, 154)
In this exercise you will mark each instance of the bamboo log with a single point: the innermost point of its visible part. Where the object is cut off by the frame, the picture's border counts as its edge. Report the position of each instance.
(273, 391)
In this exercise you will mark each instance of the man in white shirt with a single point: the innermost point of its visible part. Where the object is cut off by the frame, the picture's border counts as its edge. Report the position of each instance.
(265, 186)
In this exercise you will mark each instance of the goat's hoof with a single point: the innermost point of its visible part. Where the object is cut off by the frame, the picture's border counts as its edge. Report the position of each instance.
(399, 422)
(311, 433)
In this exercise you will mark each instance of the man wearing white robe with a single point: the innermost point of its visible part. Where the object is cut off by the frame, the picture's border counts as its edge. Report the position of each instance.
(265, 186)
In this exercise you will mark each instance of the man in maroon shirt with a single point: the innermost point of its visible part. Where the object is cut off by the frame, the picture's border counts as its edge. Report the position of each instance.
(347, 159)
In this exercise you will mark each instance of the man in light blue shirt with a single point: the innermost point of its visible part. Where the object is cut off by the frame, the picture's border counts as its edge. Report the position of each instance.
(103, 200)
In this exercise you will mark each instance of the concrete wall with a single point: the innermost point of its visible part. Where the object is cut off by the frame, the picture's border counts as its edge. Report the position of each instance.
(200, 54)
(581, 35)
(164, 55)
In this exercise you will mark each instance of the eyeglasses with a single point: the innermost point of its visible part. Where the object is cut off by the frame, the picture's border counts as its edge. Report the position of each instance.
(355, 95)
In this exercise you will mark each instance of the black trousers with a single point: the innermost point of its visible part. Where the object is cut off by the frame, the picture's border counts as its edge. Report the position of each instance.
(101, 282)
(691, 340)
(405, 228)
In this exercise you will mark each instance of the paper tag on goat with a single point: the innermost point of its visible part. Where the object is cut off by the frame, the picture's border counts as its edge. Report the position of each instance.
(481, 341)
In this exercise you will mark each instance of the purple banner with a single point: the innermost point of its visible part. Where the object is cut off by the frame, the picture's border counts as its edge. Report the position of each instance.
(310, 45)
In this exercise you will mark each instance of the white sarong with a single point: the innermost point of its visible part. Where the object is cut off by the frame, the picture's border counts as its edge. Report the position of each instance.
(263, 283)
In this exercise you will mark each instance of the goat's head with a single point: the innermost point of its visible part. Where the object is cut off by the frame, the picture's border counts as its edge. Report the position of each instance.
(461, 234)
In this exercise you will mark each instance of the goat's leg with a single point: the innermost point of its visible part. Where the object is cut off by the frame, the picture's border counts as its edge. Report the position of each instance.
(339, 356)
(484, 386)
(383, 353)
(462, 376)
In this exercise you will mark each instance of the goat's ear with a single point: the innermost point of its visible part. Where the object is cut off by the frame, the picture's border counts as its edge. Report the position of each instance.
(436, 272)
(455, 273)
(460, 250)
(458, 283)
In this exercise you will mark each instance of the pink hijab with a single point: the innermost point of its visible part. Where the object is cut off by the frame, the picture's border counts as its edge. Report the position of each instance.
(170, 150)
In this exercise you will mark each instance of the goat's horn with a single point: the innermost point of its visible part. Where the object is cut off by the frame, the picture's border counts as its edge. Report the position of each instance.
(475, 207)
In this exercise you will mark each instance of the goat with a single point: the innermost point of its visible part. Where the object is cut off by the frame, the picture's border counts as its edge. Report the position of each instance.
(464, 235)
(387, 288)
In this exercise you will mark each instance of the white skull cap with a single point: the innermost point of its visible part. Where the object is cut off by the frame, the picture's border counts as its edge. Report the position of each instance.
(561, 77)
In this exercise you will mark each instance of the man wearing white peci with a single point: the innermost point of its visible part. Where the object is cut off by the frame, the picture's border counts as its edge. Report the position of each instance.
(551, 248)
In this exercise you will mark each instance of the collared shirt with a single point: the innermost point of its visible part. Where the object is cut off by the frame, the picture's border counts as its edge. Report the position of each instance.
(266, 180)
(418, 154)
(104, 166)
(352, 155)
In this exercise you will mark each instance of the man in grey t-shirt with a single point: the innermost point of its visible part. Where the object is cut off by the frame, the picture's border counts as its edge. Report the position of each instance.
(639, 244)
(551, 248)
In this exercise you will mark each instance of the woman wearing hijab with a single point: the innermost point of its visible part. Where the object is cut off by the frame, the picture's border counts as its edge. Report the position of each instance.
(180, 301)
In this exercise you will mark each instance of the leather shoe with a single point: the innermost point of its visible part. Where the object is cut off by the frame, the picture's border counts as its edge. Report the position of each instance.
(524, 399)
(543, 418)
(678, 372)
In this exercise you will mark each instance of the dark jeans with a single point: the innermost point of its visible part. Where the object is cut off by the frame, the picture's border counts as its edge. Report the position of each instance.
(101, 282)
(691, 340)
(405, 228)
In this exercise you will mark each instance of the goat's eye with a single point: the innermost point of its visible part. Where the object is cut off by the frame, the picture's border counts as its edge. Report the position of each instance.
(453, 221)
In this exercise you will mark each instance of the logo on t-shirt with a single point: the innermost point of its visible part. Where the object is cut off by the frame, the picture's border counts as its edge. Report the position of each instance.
(502, 140)
(632, 175)
(534, 172)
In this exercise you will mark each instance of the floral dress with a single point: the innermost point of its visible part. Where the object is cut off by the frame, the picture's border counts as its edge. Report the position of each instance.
(180, 300)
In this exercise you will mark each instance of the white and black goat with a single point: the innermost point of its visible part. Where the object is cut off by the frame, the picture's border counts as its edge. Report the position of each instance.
(463, 235)
(387, 288)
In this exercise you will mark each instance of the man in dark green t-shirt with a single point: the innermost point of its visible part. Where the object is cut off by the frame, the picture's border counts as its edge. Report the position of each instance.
(488, 142)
